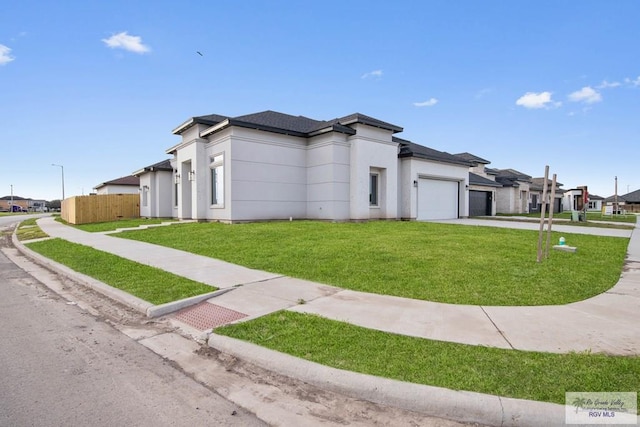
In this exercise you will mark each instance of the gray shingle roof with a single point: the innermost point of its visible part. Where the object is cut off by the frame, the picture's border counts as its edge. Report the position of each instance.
(475, 179)
(472, 158)
(536, 184)
(411, 149)
(273, 121)
(512, 174)
(633, 197)
(164, 165)
(125, 180)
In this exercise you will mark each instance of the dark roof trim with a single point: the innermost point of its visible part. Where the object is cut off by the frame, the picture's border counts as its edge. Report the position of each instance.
(369, 121)
(164, 165)
(475, 179)
(472, 158)
(411, 149)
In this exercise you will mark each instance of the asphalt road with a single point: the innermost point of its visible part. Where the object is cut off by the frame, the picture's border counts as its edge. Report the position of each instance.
(60, 366)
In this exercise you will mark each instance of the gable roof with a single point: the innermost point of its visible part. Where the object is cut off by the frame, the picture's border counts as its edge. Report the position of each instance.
(537, 184)
(475, 179)
(273, 121)
(411, 149)
(633, 197)
(472, 158)
(164, 165)
(125, 180)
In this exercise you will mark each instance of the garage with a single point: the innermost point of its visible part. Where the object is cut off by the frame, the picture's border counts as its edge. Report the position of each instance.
(437, 199)
(479, 203)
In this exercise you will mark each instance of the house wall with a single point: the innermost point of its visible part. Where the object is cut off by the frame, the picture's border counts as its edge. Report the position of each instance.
(513, 200)
(268, 175)
(328, 177)
(117, 189)
(372, 150)
(158, 187)
(413, 168)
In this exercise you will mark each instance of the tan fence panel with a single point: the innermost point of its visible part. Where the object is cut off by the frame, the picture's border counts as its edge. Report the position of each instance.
(100, 208)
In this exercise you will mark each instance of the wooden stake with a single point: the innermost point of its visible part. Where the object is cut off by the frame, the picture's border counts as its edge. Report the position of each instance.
(553, 205)
(543, 210)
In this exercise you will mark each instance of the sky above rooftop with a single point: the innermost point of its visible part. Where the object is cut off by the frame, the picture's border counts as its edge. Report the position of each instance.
(97, 87)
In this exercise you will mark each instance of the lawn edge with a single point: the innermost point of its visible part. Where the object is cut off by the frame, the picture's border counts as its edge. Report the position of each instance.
(148, 309)
(463, 406)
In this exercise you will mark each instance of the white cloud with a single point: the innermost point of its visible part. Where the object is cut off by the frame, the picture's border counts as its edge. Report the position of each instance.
(428, 103)
(125, 41)
(635, 82)
(587, 94)
(534, 100)
(605, 84)
(5, 55)
(375, 74)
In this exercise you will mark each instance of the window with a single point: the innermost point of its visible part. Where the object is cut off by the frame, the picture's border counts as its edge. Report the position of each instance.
(217, 180)
(373, 189)
(145, 196)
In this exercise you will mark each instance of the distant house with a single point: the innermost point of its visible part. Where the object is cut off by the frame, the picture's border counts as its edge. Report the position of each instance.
(7, 203)
(629, 202)
(21, 204)
(124, 185)
(155, 200)
(573, 199)
(275, 166)
(595, 203)
(482, 186)
(513, 196)
(536, 190)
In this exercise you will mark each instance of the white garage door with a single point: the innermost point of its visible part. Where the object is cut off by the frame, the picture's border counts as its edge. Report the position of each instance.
(437, 199)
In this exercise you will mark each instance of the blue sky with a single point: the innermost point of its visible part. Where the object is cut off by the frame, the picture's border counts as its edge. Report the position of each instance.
(98, 86)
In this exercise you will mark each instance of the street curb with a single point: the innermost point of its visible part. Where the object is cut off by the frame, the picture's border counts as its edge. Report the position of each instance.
(138, 304)
(462, 406)
(170, 307)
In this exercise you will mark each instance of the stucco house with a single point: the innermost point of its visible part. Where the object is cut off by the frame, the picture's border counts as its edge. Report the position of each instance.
(482, 186)
(595, 203)
(155, 183)
(123, 185)
(627, 203)
(274, 166)
(536, 190)
(513, 196)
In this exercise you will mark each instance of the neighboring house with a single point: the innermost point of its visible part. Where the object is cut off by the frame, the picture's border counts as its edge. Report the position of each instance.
(482, 186)
(270, 166)
(124, 185)
(155, 180)
(513, 196)
(573, 199)
(629, 202)
(536, 190)
(595, 203)
(7, 203)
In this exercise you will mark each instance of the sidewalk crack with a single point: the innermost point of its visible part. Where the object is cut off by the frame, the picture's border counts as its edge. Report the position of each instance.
(496, 326)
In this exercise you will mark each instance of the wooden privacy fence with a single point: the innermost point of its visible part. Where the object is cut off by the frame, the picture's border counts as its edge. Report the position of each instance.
(100, 208)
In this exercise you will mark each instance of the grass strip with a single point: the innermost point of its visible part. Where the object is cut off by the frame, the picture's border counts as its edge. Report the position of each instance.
(591, 216)
(428, 261)
(29, 230)
(511, 373)
(98, 227)
(148, 283)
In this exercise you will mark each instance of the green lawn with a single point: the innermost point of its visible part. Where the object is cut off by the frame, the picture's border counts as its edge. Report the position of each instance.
(436, 262)
(510, 373)
(28, 230)
(148, 283)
